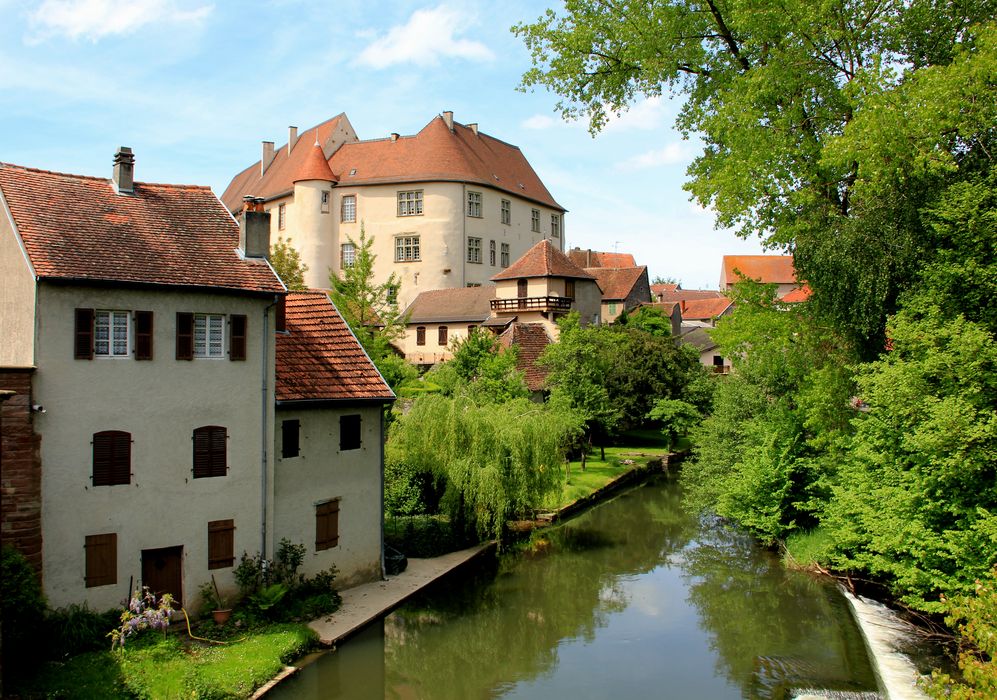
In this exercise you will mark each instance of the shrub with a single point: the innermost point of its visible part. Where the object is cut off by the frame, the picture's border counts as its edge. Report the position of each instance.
(22, 607)
(77, 629)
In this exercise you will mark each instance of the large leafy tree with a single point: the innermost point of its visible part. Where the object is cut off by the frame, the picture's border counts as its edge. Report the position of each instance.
(787, 99)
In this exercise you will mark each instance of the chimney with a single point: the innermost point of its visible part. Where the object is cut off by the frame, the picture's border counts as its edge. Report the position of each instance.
(123, 175)
(474, 128)
(448, 120)
(268, 156)
(254, 228)
(292, 138)
(394, 137)
(588, 257)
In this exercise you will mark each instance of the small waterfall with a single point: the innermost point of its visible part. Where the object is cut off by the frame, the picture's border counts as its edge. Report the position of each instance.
(884, 634)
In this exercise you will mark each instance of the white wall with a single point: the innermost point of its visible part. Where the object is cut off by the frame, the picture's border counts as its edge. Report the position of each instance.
(17, 298)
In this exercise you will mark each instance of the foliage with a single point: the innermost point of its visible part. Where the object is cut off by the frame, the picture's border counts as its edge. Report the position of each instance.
(143, 612)
(77, 629)
(407, 491)
(649, 319)
(257, 572)
(267, 598)
(495, 461)
(423, 535)
(482, 369)
(22, 607)
(286, 262)
(975, 616)
(676, 417)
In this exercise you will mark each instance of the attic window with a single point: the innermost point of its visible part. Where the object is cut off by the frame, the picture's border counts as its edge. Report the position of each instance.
(353, 171)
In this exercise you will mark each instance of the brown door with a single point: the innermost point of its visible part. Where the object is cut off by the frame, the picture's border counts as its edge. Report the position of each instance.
(161, 571)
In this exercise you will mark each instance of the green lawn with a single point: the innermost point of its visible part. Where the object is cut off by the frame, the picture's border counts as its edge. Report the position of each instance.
(156, 667)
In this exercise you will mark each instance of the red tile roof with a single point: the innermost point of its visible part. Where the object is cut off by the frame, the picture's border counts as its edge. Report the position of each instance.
(687, 295)
(319, 359)
(530, 340)
(704, 309)
(593, 258)
(455, 304)
(662, 287)
(777, 269)
(315, 167)
(78, 227)
(543, 260)
(797, 295)
(616, 282)
(283, 170)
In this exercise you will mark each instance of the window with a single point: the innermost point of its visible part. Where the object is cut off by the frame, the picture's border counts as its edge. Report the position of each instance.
(410, 203)
(326, 525)
(110, 334)
(221, 544)
(522, 288)
(491, 253)
(420, 335)
(391, 294)
(406, 248)
(506, 212)
(347, 255)
(209, 335)
(348, 209)
(441, 336)
(612, 308)
(474, 204)
(569, 289)
(281, 216)
(326, 195)
(350, 437)
(555, 225)
(112, 458)
(505, 255)
(143, 335)
(101, 560)
(209, 451)
(237, 339)
(535, 220)
(473, 249)
(290, 438)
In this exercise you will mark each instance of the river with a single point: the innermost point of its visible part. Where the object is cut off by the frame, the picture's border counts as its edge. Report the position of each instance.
(633, 599)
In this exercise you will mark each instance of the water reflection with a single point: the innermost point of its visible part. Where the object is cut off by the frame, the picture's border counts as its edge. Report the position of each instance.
(632, 599)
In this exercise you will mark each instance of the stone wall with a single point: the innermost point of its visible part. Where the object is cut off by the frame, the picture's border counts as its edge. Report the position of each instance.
(20, 467)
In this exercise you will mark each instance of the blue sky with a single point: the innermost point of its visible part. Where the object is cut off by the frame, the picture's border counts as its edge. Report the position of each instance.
(194, 86)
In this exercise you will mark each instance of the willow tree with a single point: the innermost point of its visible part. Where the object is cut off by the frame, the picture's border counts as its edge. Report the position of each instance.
(496, 462)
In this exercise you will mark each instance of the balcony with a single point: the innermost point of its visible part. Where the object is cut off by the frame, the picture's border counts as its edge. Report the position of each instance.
(532, 304)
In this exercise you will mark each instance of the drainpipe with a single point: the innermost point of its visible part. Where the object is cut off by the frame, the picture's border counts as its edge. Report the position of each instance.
(264, 432)
(383, 571)
(463, 247)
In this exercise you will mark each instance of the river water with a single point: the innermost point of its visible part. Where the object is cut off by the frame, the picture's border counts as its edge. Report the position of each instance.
(632, 599)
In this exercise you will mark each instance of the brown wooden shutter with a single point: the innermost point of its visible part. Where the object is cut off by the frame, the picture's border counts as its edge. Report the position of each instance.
(112, 458)
(237, 338)
(326, 525)
(280, 315)
(101, 560)
(83, 336)
(420, 335)
(143, 335)
(185, 336)
(221, 544)
(209, 452)
(441, 335)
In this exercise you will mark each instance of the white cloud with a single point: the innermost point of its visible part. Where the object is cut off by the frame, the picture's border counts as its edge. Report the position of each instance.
(96, 19)
(642, 116)
(672, 154)
(429, 35)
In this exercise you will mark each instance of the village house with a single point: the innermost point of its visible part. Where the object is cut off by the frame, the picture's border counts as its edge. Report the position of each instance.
(767, 269)
(623, 289)
(439, 318)
(447, 207)
(138, 449)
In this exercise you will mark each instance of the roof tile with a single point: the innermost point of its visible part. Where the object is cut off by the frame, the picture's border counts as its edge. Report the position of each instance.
(453, 304)
(768, 269)
(616, 282)
(543, 260)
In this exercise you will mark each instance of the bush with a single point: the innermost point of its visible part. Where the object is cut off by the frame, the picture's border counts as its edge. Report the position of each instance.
(77, 629)
(423, 536)
(22, 607)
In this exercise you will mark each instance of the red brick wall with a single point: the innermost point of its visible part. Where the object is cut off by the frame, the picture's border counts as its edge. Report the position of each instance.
(20, 469)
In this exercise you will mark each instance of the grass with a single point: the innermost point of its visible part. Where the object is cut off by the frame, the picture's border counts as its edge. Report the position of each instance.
(157, 667)
(806, 550)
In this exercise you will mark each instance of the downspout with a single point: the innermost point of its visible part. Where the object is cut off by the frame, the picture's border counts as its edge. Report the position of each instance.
(463, 244)
(264, 432)
(383, 570)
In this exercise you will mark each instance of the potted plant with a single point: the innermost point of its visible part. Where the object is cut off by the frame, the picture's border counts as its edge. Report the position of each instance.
(215, 602)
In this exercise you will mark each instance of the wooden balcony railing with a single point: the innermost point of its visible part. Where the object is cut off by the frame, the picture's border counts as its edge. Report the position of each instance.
(532, 304)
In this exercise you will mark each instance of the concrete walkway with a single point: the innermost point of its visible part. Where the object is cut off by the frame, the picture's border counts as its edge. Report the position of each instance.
(365, 603)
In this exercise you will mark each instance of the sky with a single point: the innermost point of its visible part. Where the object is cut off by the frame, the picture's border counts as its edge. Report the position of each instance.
(194, 86)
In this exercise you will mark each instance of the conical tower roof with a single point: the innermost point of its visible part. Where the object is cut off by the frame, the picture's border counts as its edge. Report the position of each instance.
(315, 167)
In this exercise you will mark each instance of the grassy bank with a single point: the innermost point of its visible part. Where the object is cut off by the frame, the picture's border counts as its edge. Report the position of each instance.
(154, 666)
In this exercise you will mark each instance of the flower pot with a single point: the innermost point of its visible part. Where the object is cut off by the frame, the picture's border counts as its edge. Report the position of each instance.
(221, 616)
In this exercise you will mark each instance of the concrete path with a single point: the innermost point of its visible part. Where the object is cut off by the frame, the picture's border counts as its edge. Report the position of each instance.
(369, 601)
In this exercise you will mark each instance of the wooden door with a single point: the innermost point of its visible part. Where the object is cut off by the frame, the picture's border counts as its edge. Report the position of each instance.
(162, 571)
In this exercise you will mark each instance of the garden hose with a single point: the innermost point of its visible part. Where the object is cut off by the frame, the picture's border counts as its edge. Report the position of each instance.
(205, 639)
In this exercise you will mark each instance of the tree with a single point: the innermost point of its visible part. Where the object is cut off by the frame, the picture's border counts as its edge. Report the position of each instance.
(286, 262)
(482, 369)
(788, 100)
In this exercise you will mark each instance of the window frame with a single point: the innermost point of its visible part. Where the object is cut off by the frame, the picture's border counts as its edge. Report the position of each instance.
(555, 225)
(206, 320)
(505, 212)
(347, 261)
(474, 201)
(348, 211)
(354, 433)
(326, 201)
(100, 550)
(112, 316)
(116, 468)
(327, 524)
(505, 255)
(281, 217)
(420, 335)
(221, 544)
(408, 248)
(442, 336)
(569, 289)
(474, 249)
(535, 220)
(213, 459)
(491, 252)
(410, 203)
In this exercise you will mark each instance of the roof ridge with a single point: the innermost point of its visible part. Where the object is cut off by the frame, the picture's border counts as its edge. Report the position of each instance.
(97, 178)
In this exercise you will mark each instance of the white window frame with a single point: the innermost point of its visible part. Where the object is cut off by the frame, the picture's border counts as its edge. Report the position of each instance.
(348, 255)
(505, 255)
(281, 217)
(473, 249)
(474, 204)
(211, 328)
(535, 220)
(491, 252)
(555, 225)
(407, 248)
(348, 209)
(111, 321)
(506, 212)
(410, 203)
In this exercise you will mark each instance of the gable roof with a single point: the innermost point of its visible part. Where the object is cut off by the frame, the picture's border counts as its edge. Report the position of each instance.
(455, 304)
(768, 269)
(594, 258)
(530, 340)
(543, 260)
(617, 282)
(76, 227)
(705, 309)
(319, 358)
(700, 338)
(678, 295)
(280, 175)
(662, 287)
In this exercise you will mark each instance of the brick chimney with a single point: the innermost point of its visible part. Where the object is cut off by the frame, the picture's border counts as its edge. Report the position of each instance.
(268, 156)
(254, 228)
(123, 175)
(448, 120)
(292, 138)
